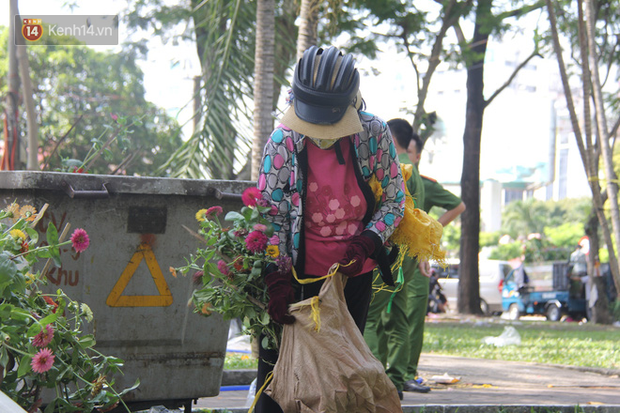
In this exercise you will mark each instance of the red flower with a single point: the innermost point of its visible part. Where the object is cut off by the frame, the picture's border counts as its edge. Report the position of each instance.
(251, 196)
(238, 264)
(256, 241)
(214, 211)
(51, 302)
(80, 240)
(197, 278)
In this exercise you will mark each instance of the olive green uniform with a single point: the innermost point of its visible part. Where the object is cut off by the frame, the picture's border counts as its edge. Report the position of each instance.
(388, 334)
(434, 195)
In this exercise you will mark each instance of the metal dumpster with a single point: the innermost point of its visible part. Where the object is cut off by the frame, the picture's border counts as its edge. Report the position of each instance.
(141, 310)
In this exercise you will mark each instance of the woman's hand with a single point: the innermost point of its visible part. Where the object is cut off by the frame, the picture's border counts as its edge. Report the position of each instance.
(280, 296)
(360, 249)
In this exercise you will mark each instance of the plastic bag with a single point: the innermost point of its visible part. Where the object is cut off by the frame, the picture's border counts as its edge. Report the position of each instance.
(251, 394)
(510, 336)
(324, 363)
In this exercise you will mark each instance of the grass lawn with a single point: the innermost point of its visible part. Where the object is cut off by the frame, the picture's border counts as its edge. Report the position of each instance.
(566, 343)
(587, 345)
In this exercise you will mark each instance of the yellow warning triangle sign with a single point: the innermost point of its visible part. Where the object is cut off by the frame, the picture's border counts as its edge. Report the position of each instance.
(164, 299)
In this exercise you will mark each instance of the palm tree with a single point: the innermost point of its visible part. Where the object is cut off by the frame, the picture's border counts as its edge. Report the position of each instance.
(263, 82)
(308, 23)
(521, 218)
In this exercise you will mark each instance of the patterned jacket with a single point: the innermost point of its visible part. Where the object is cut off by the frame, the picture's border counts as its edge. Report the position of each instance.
(282, 181)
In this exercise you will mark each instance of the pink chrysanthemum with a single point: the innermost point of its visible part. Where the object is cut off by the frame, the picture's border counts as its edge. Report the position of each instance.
(222, 267)
(80, 240)
(251, 196)
(44, 337)
(256, 241)
(274, 240)
(260, 227)
(214, 211)
(42, 361)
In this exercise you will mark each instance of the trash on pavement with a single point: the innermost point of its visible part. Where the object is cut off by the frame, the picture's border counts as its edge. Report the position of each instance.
(510, 336)
(445, 379)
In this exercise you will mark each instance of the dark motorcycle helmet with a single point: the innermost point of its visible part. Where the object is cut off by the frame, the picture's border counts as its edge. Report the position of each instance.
(325, 84)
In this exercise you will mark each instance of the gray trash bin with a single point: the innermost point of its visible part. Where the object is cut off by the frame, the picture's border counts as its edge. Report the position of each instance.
(141, 310)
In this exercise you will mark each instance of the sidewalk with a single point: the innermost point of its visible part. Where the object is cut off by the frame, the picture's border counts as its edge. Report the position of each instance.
(485, 386)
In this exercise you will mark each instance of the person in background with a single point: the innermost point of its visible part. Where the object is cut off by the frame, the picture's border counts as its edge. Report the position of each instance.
(387, 332)
(434, 195)
(437, 301)
(314, 174)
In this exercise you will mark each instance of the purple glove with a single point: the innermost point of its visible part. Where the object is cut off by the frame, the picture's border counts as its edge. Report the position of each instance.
(280, 296)
(360, 248)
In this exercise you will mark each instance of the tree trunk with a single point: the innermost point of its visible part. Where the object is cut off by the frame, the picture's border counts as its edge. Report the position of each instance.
(587, 153)
(32, 163)
(601, 121)
(308, 23)
(10, 157)
(469, 283)
(286, 45)
(449, 18)
(263, 79)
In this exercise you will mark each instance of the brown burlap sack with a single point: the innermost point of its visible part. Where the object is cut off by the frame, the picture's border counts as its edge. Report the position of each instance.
(325, 365)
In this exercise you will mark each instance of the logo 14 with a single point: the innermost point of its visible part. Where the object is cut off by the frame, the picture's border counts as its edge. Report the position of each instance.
(32, 30)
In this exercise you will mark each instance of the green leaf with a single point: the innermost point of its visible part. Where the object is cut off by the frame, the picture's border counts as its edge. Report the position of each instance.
(4, 356)
(233, 216)
(87, 341)
(55, 255)
(8, 269)
(247, 213)
(135, 385)
(32, 234)
(52, 234)
(265, 319)
(255, 215)
(34, 330)
(19, 314)
(24, 365)
(49, 319)
(270, 230)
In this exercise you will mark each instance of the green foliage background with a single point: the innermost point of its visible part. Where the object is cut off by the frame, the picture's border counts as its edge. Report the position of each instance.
(77, 85)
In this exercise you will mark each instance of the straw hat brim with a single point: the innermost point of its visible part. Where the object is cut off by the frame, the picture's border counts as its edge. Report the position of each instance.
(349, 124)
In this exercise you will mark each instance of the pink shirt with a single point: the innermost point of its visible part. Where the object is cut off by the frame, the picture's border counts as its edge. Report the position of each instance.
(334, 208)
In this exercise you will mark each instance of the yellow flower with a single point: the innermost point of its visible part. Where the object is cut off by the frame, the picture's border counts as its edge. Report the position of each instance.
(200, 215)
(173, 271)
(13, 209)
(28, 212)
(18, 234)
(273, 251)
(30, 277)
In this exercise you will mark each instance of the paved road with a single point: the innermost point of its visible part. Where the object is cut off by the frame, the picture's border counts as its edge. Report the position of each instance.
(487, 384)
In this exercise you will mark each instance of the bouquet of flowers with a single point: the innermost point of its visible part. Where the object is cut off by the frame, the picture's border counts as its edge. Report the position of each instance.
(41, 340)
(228, 269)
